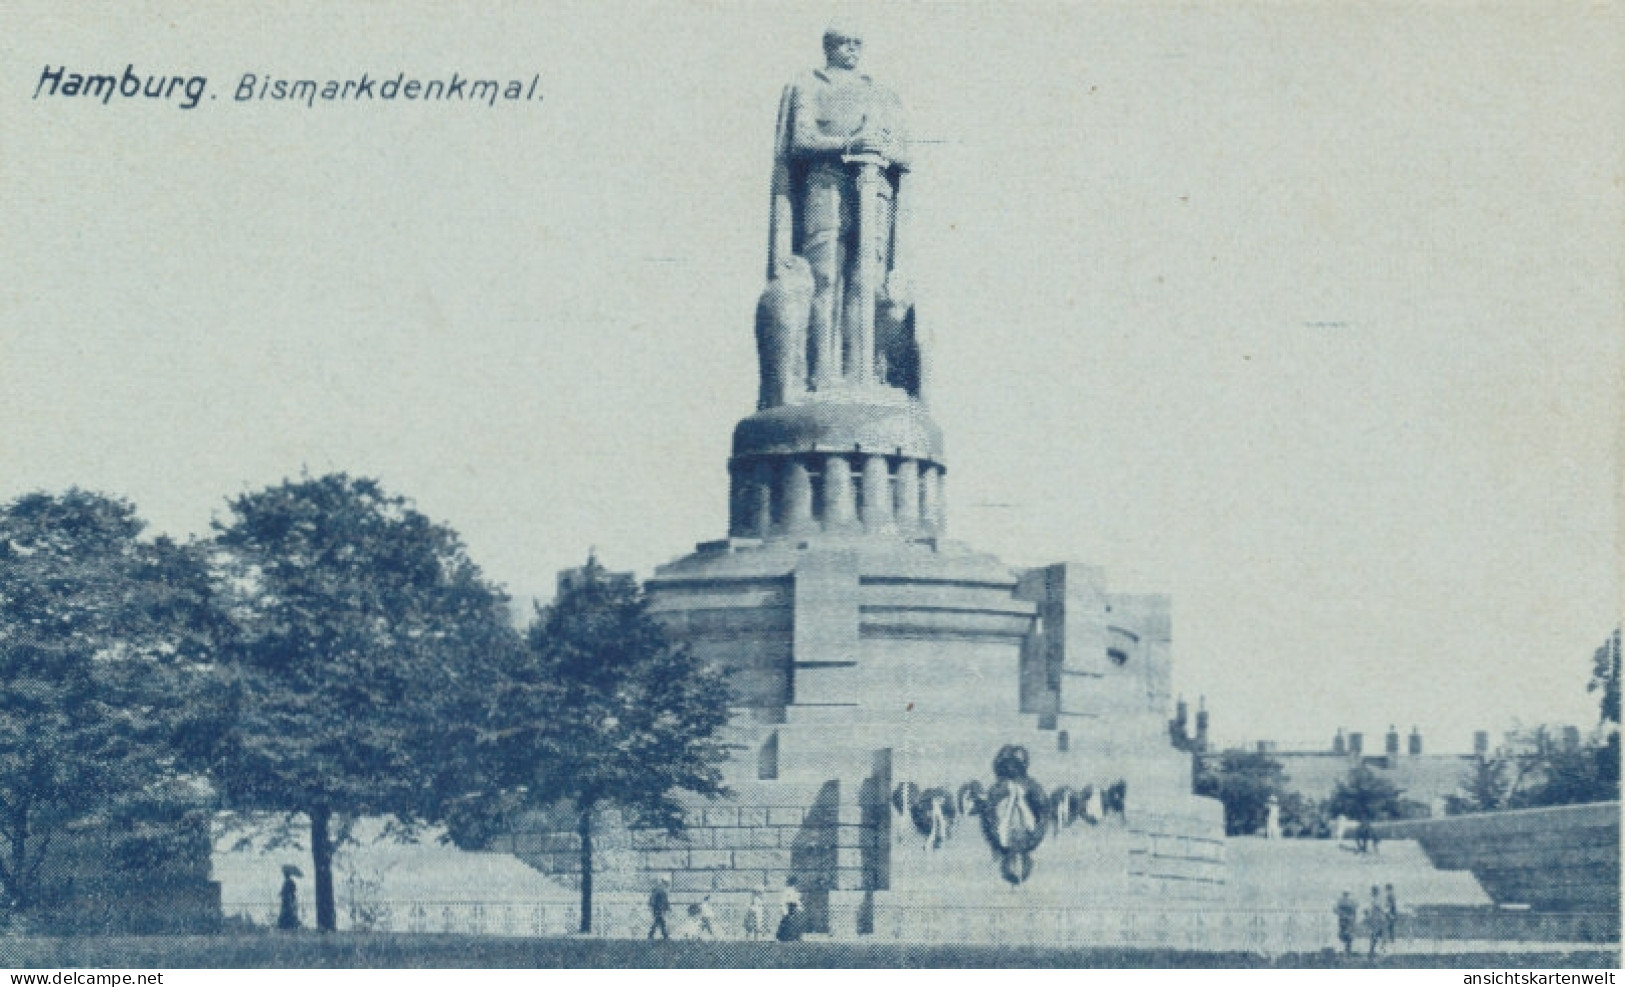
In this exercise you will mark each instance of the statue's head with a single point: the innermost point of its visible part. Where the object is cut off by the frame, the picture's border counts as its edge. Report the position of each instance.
(843, 45)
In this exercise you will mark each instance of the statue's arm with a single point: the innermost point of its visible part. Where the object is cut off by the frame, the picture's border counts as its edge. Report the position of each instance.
(807, 140)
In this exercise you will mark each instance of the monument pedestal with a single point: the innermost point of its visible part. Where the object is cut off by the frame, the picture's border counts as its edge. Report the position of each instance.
(874, 666)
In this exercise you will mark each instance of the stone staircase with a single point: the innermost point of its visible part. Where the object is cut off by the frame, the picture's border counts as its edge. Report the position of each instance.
(1310, 874)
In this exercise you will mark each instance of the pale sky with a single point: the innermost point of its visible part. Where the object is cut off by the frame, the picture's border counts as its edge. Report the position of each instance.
(1307, 314)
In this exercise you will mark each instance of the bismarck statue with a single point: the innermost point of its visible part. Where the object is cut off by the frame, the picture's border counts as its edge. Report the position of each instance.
(841, 442)
(837, 314)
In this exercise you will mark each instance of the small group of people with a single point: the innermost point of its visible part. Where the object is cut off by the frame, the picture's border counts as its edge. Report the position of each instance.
(787, 923)
(1380, 921)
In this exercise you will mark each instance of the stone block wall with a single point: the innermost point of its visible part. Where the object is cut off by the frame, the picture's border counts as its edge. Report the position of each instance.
(1561, 859)
(726, 851)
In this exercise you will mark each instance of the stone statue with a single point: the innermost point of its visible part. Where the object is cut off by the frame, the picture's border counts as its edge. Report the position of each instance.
(838, 209)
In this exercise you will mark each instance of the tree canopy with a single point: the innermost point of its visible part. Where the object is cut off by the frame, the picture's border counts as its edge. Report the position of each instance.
(1543, 766)
(1244, 782)
(1553, 769)
(1366, 797)
(357, 630)
(600, 709)
(1605, 680)
(1485, 787)
(98, 633)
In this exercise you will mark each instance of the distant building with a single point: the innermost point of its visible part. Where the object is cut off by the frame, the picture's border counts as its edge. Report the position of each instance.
(1314, 772)
(572, 579)
(1179, 727)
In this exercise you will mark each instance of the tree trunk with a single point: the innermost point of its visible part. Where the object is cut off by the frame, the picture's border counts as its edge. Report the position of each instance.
(22, 895)
(584, 828)
(321, 851)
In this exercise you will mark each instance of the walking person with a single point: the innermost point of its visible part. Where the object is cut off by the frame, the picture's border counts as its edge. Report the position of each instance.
(706, 918)
(287, 918)
(1347, 911)
(790, 926)
(790, 897)
(1376, 920)
(659, 907)
(1391, 913)
(756, 916)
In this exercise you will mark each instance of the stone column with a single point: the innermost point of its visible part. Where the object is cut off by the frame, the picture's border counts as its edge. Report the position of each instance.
(877, 496)
(930, 505)
(907, 500)
(798, 499)
(939, 524)
(738, 525)
(759, 503)
(839, 513)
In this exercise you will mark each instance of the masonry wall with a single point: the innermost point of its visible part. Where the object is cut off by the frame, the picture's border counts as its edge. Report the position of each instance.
(1562, 859)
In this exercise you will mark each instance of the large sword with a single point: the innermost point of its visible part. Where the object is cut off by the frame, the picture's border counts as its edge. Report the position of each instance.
(871, 168)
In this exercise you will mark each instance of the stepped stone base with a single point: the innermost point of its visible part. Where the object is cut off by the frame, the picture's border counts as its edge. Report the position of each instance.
(870, 669)
(1556, 859)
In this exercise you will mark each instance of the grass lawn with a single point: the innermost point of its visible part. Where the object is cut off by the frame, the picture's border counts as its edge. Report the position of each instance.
(349, 950)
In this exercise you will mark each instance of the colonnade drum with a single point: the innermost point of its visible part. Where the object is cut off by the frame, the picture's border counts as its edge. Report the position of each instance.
(781, 496)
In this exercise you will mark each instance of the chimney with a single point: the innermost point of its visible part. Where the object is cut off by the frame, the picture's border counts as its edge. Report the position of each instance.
(1356, 743)
(1201, 723)
(1416, 742)
(1390, 742)
(1481, 743)
(1339, 745)
(1178, 727)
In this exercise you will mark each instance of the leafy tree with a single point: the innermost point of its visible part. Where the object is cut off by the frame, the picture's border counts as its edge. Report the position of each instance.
(600, 710)
(1570, 775)
(1605, 679)
(1484, 788)
(1244, 782)
(1366, 797)
(98, 631)
(359, 628)
(1553, 770)
(1302, 816)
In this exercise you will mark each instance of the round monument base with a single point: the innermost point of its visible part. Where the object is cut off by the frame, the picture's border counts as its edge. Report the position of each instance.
(869, 670)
